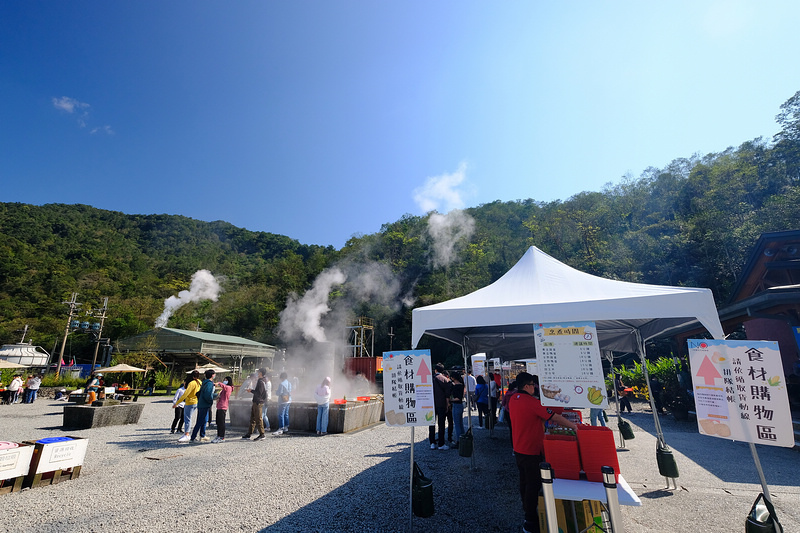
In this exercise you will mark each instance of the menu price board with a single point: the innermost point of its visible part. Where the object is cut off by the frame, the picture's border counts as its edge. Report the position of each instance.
(740, 391)
(569, 365)
(408, 388)
(479, 364)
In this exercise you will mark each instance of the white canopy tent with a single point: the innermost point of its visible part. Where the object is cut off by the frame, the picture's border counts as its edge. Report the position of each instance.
(498, 319)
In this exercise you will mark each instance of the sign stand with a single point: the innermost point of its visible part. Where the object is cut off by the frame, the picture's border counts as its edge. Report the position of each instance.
(740, 394)
(408, 400)
(411, 486)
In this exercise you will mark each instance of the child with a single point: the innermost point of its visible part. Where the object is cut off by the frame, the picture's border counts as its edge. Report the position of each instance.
(178, 420)
(222, 408)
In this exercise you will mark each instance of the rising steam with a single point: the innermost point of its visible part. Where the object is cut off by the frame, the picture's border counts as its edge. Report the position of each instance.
(204, 286)
(317, 317)
(302, 317)
(448, 230)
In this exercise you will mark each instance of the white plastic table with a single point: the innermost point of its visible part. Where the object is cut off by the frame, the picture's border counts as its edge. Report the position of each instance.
(577, 490)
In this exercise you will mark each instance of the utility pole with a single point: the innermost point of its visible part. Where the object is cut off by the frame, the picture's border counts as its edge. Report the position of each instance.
(72, 306)
(100, 333)
(391, 338)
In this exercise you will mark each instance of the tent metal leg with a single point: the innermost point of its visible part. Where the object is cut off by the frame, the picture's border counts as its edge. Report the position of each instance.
(610, 484)
(549, 497)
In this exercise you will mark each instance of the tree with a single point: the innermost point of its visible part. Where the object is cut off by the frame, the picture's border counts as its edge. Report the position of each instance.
(788, 139)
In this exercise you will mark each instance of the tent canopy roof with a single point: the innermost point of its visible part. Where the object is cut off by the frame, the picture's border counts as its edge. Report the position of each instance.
(499, 318)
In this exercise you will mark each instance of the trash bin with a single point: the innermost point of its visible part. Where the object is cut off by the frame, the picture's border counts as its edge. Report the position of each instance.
(421, 494)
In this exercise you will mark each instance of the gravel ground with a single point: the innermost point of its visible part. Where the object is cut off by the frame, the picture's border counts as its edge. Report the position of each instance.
(138, 478)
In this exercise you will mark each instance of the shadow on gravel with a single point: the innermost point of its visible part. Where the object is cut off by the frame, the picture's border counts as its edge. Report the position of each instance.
(653, 495)
(485, 499)
(728, 460)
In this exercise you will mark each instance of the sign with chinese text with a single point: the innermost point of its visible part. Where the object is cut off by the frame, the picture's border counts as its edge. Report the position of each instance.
(479, 364)
(740, 391)
(569, 365)
(408, 388)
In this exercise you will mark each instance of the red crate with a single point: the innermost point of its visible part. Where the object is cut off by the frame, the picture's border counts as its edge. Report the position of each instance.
(597, 449)
(561, 451)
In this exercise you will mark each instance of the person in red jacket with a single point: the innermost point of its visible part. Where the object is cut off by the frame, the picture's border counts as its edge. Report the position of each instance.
(528, 416)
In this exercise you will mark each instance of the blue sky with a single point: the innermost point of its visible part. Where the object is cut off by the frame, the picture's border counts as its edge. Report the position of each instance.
(321, 120)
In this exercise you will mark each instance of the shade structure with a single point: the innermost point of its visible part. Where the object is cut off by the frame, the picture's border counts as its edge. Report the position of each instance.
(498, 319)
(9, 364)
(120, 368)
(209, 366)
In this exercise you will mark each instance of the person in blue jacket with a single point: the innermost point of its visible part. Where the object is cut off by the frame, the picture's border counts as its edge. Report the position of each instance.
(205, 399)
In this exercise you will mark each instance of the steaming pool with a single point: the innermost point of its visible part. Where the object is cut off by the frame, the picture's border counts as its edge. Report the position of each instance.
(342, 418)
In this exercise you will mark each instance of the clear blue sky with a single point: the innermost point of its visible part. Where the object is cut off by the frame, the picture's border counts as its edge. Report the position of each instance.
(319, 120)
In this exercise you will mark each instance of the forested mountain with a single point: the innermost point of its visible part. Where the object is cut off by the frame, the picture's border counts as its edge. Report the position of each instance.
(691, 223)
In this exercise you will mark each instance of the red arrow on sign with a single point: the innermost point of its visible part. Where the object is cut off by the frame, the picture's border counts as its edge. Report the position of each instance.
(708, 371)
(423, 372)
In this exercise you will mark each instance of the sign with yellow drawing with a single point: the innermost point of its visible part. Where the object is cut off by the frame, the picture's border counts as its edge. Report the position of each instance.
(740, 391)
(408, 388)
(569, 366)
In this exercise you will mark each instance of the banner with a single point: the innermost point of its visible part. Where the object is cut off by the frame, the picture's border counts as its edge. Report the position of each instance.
(408, 388)
(740, 391)
(479, 364)
(569, 365)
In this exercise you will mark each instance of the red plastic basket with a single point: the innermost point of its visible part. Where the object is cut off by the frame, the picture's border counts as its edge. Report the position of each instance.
(363, 398)
(340, 401)
(597, 449)
(561, 451)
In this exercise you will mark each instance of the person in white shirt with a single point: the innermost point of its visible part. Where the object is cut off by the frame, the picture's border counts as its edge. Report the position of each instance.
(15, 386)
(33, 388)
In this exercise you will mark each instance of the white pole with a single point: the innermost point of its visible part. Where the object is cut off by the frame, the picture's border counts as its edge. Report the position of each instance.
(411, 487)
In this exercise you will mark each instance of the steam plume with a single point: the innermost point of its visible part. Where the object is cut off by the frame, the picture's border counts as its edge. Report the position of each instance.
(445, 231)
(302, 316)
(204, 286)
(315, 315)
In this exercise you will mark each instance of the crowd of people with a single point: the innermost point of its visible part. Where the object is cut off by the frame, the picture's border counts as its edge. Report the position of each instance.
(453, 392)
(196, 395)
(19, 391)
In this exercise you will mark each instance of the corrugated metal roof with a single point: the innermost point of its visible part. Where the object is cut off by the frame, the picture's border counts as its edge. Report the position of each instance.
(215, 337)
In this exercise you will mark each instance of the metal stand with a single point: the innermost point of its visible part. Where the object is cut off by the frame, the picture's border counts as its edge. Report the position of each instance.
(549, 497)
(411, 487)
(610, 484)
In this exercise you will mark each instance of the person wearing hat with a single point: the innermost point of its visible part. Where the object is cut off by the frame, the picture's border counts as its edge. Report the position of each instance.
(93, 387)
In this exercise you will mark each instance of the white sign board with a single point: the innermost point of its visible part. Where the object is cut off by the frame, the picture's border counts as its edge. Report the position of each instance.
(740, 391)
(479, 364)
(61, 455)
(569, 365)
(15, 462)
(408, 388)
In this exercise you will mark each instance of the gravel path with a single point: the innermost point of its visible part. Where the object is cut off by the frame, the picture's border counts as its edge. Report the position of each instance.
(138, 478)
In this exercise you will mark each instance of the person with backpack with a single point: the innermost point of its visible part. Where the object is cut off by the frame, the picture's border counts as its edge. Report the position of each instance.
(205, 399)
(284, 402)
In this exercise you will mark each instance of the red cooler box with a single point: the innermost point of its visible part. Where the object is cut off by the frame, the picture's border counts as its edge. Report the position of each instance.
(597, 449)
(561, 451)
